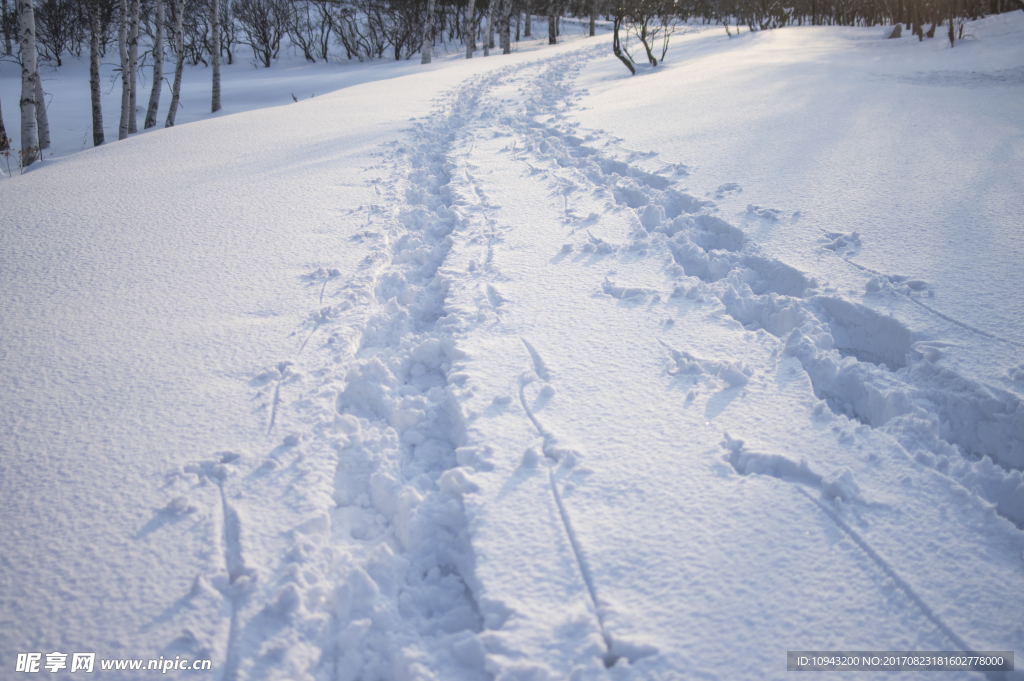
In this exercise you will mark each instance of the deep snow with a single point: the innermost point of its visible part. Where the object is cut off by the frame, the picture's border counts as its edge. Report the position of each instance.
(522, 368)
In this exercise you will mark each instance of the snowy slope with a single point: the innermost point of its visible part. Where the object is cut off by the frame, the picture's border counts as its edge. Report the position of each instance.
(572, 375)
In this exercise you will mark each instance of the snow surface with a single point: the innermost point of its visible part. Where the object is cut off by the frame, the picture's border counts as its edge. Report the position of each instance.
(523, 368)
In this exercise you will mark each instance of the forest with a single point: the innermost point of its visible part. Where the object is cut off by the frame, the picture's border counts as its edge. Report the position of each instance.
(143, 34)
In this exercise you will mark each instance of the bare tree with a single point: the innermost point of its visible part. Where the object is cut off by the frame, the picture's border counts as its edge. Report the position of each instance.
(58, 28)
(552, 22)
(471, 29)
(29, 76)
(126, 82)
(95, 29)
(42, 122)
(489, 37)
(178, 15)
(133, 64)
(158, 67)
(263, 22)
(506, 26)
(428, 33)
(215, 53)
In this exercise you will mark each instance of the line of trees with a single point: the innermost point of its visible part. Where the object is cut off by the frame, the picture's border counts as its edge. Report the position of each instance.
(205, 31)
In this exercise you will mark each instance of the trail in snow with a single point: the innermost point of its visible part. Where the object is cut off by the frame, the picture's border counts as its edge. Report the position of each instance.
(865, 365)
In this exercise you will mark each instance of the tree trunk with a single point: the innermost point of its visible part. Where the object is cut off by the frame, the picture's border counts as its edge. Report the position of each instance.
(42, 122)
(29, 76)
(489, 38)
(94, 73)
(215, 54)
(4, 144)
(126, 82)
(617, 46)
(158, 68)
(593, 17)
(178, 12)
(428, 33)
(527, 28)
(552, 25)
(506, 26)
(133, 63)
(471, 29)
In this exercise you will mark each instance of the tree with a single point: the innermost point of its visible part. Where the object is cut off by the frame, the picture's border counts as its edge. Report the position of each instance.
(58, 28)
(428, 33)
(178, 14)
(506, 26)
(29, 78)
(95, 29)
(133, 65)
(126, 83)
(42, 122)
(263, 22)
(215, 53)
(489, 38)
(471, 29)
(158, 67)
(552, 22)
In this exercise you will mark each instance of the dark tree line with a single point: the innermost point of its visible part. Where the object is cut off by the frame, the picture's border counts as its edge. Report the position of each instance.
(145, 32)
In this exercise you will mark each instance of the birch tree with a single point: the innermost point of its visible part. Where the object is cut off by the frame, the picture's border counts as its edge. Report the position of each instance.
(95, 28)
(471, 30)
(215, 53)
(42, 122)
(428, 33)
(158, 67)
(506, 26)
(133, 64)
(29, 76)
(178, 14)
(126, 84)
(489, 37)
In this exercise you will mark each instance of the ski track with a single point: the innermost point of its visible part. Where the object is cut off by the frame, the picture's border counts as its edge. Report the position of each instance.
(377, 582)
(867, 366)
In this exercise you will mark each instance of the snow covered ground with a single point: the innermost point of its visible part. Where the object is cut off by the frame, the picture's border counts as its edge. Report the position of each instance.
(523, 368)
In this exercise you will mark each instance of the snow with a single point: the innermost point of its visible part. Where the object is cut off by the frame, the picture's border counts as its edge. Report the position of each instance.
(524, 368)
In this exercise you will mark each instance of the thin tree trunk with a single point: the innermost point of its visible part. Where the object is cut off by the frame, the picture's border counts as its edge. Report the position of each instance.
(428, 33)
(126, 83)
(552, 23)
(506, 26)
(42, 122)
(4, 144)
(215, 54)
(471, 29)
(29, 76)
(158, 68)
(133, 64)
(489, 37)
(178, 10)
(593, 17)
(94, 73)
(528, 20)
